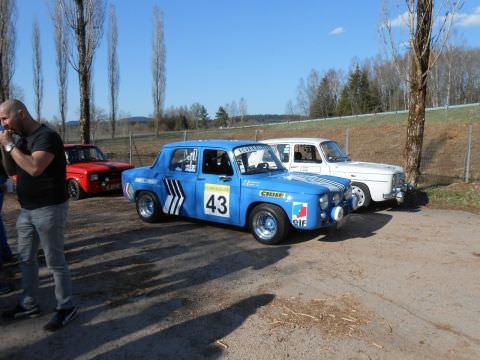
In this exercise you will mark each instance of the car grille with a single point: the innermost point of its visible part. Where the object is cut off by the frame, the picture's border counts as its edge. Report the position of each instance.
(398, 180)
(110, 175)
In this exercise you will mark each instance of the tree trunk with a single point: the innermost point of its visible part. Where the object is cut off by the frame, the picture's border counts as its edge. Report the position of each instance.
(420, 56)
(83, 75)
(84, 107)
(415, 129)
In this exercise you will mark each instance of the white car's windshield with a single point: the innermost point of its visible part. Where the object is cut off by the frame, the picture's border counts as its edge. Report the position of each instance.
(333, 152)
(256, 159)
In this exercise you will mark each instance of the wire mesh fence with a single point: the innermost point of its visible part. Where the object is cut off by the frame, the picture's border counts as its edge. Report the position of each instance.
(450, 153)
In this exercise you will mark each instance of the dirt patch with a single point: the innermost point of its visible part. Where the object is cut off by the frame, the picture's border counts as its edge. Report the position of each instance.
(341, 316)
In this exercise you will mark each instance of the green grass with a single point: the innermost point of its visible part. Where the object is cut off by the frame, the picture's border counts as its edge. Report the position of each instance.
(457, 196)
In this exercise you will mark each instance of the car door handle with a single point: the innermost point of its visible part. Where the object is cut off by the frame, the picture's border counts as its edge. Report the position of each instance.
(225, 178)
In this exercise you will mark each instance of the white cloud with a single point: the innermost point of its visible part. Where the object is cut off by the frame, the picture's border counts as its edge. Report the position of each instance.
(467, 20)
(337, 31)
(400, 20)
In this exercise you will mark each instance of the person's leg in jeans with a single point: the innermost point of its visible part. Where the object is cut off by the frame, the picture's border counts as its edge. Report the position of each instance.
(49, 223)
(5, 252)
(28, 244)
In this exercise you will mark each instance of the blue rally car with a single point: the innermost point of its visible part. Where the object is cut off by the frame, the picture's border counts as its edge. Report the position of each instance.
(239, 183)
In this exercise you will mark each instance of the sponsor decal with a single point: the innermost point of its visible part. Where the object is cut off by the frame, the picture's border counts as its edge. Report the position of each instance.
(216, 200)
(146, 181)
(251, 148)
(299, 213)
(129, 191)
(175, 197)
(317, 179)
(250, 183)
(273, 194)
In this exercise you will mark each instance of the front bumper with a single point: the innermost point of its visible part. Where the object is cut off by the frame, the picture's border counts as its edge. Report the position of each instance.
(399, 193)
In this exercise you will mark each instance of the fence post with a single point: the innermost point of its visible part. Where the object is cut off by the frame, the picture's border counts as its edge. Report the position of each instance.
(184, 135)
(256, 132)
(130, 147)
(469, 154)
(347, 138)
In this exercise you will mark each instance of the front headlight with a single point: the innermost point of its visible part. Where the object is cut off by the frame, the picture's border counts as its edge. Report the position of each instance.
(348, 193)
(337, 198)
(93, 177)
(324, 201)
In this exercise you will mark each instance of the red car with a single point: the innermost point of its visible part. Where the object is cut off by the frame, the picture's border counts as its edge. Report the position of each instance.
(90, 172)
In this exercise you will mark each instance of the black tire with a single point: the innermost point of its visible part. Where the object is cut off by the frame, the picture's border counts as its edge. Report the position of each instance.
(148, 207)
(75, 191)
(363, 194)
(268, 224)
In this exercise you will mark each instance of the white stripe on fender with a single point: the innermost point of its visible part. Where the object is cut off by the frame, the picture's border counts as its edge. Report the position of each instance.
(175, 197)
(332, 185)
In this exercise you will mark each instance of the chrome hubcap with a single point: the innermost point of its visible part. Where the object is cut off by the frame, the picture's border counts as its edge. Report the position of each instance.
(146, 207)
(360, 195)
(265, 225)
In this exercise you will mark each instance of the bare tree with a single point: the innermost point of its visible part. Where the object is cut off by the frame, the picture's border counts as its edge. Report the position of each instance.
(61, 46)
(7, 47)
(158, 67)
(37, 69)
(290, 108)
(420, 18)
(113, 70)
(306, 92)
(242, 109)
(232, 110)
(85, 19)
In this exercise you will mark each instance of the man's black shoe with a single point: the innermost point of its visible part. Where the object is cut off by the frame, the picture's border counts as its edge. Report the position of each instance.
(21, 312)
(61, 318)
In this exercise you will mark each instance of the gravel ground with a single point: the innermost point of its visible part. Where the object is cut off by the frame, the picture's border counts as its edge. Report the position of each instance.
(392, 284)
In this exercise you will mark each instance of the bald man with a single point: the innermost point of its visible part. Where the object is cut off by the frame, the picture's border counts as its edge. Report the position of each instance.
(38, 160)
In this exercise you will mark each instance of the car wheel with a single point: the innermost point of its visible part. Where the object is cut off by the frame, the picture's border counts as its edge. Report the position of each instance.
(148, 207)
(75, 190)
(363, 194)
(268, 224)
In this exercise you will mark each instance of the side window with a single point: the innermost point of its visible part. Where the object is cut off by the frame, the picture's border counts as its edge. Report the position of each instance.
(282, 151)
(216, 162)
(184, 160)
(306, 153)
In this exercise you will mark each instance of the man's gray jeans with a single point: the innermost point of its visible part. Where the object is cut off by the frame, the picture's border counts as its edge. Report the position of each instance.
(44, 227)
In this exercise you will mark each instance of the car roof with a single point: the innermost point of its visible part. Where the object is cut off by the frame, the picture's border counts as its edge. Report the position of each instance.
(296, 140)
(222, 143)
(71, 146)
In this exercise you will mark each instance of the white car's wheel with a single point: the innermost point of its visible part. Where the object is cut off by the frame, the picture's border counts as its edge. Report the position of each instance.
(362, 193)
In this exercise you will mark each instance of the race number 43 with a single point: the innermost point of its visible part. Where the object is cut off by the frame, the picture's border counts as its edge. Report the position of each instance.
(216, 200)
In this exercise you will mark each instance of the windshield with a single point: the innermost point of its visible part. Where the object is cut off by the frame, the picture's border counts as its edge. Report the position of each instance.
(256, 159)
(84, 154)
(333, 152)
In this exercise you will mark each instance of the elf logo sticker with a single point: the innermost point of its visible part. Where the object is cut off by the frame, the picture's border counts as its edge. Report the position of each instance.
(299, 214)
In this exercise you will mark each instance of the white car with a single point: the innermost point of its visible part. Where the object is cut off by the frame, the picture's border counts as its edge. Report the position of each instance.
(370, 181)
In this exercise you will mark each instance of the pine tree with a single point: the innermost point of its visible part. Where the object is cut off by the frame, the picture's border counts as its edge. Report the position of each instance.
(221, 117)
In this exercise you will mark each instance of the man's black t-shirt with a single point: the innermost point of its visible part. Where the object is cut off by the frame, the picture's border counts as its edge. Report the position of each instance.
(50, 187)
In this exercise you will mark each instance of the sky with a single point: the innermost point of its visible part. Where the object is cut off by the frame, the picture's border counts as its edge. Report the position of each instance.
(219, 51)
